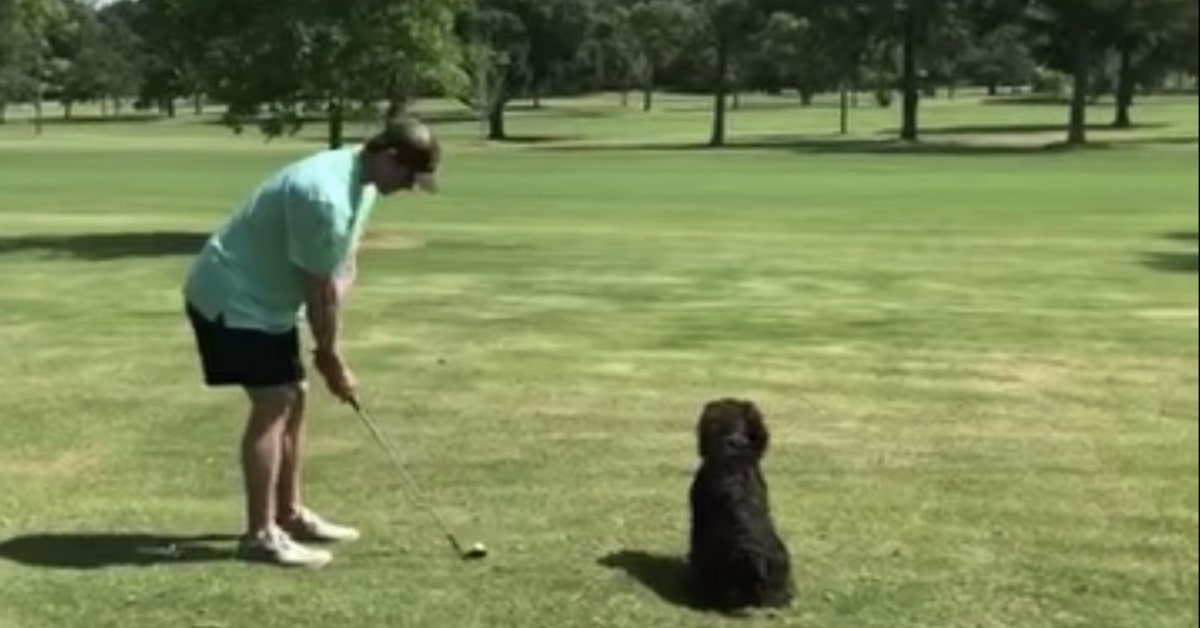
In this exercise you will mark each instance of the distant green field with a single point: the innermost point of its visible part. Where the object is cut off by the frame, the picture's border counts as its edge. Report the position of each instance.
(978, 357)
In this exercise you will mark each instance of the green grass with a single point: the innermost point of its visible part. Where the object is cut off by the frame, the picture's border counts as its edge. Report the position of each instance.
(978, 359)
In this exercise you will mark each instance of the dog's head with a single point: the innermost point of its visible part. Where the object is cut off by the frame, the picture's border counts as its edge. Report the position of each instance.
(731, 428)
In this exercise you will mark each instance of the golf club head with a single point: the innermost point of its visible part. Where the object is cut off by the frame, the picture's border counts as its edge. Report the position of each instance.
(475, 552)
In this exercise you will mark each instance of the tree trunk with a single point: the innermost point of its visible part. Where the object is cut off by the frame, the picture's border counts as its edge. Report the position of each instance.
(624, 97)
(37, 112)
(169, 105)
(1124, 88)
(1077, 132)
(395, 107)
(993, 88)
(718, 125)
(496, 120)
(912, 97)
(845, 110)
(67, 106)
(336, 122)
(3, 112)
(806, 97)
(647, 97)
(39, 94)
(198, 103)
(737, 99)
(104, 106)
(537, 95)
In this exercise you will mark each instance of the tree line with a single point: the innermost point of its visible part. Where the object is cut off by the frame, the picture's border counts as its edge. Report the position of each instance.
(280, 63)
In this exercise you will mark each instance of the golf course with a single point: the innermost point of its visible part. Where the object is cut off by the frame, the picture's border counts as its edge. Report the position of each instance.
(976, 353)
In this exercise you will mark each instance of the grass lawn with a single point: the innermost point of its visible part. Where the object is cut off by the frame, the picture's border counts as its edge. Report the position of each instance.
(978, 358)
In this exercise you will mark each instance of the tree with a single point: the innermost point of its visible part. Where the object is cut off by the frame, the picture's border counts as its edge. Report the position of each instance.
(555, 31)
(999, 56)
(517, 46)
(497, 46)
(848, 34)
(660, 28)
(291, 57)
(789, 51)
(27, 31)
(611, 51)
(1072, 34)
(916, 20)
(17, 51)
(1139, 30)
(947, 49)
(119, 64)
(727, 25)
(95, 59)
(173, 38)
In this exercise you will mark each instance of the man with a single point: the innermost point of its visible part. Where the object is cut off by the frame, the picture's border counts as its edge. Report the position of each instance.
(291, 247)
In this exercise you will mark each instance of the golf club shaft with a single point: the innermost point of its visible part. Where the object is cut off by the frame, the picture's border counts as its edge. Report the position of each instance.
(395, 458)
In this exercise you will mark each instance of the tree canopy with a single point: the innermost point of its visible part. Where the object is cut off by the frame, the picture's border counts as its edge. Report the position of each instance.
(279, 64)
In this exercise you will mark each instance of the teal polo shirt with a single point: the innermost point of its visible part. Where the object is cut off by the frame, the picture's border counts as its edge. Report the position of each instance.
(309, 215)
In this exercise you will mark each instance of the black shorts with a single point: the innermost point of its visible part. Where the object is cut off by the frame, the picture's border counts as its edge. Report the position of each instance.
(245, 357)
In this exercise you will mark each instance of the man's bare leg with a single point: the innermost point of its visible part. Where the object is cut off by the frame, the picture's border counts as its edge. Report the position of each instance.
(289, 509)
(287, 498)
(261, 444)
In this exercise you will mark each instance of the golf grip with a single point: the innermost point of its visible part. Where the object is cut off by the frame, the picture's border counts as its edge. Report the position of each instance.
(379, 438)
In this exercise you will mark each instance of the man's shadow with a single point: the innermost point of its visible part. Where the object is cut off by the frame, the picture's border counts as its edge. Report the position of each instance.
(97, 550)
(106, 246)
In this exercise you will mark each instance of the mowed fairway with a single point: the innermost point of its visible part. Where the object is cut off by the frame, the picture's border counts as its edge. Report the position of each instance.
(978, 360)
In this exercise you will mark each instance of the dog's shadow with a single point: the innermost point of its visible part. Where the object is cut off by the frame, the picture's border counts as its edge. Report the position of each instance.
(99, 550)
(666, 575)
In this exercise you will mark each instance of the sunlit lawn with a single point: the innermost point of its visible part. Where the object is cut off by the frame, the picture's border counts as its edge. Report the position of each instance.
(978, 359)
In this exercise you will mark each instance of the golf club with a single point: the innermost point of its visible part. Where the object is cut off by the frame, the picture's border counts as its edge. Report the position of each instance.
(477, 550)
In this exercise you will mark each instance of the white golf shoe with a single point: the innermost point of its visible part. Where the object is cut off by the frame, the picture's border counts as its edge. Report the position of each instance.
(273, 545)
(307, 525)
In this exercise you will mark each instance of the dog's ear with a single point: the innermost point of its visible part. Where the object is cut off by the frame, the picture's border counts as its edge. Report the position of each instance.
(756, 429)
(708, 434)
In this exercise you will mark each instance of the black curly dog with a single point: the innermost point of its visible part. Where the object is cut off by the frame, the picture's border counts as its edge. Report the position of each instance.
(736, 559)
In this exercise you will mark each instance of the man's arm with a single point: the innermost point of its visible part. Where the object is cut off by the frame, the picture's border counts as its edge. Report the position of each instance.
(323, 300)
(315, 240)
(346, 279)
(324, 303)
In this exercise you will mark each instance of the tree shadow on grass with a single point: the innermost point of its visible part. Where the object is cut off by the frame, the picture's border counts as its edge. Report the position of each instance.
(1005, 129)
(824, 146)
(536, 139)
(1173, 262)
(89, 119)
(1184, 236)
(107, 246)
(1028, 99)
(97, 550)
(881, 146)
(665, 575)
